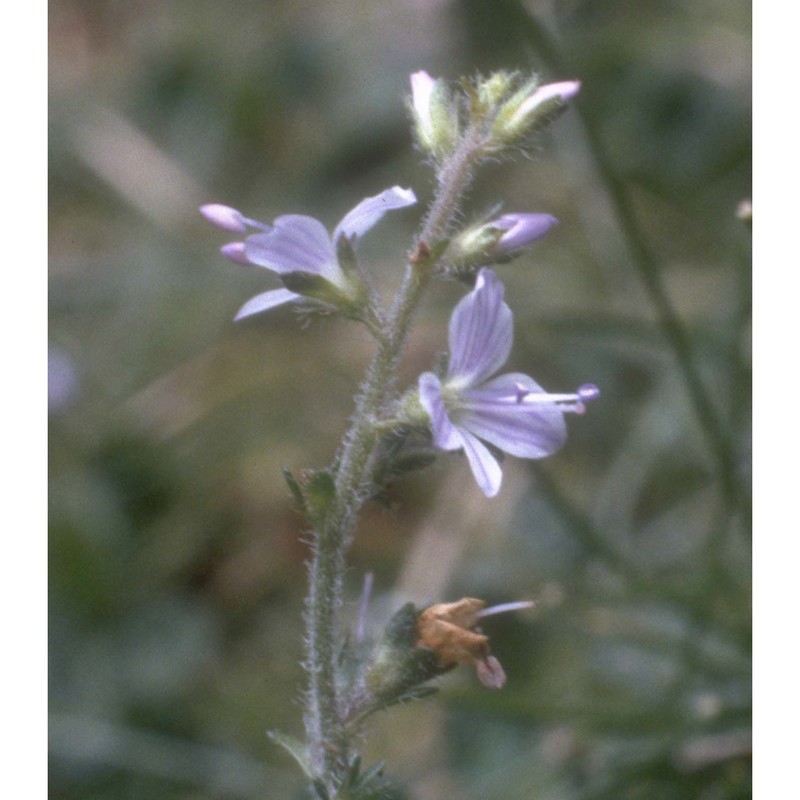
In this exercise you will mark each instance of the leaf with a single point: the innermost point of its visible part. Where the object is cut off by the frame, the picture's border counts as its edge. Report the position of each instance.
(320, 491)
(347, 256)
(296, 749)
(295, 489)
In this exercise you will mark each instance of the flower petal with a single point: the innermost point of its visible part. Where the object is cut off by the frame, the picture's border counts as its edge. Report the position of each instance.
(521, 230)
(445, 435)
(421, 90)
(368, 212)
(563, 91)
(498, 414)
(480, 332)
(297, 243)
(265, 301)
(483, 464)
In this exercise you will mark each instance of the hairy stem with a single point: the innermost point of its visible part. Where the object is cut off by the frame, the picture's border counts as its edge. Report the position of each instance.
(326, 732)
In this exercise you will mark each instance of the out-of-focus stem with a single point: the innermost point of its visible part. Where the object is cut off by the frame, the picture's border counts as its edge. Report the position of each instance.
(648, 268)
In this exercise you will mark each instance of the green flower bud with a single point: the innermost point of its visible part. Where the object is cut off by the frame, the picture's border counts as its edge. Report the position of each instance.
(492, 90)
(436, 122)
(497, 241)
(530, 109)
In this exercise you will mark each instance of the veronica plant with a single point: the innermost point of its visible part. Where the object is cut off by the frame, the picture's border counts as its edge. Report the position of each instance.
(463, 407)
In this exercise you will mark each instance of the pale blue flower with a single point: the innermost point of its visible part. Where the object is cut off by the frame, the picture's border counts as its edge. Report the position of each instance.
(469, 407)
(295, 243)
(521, 230)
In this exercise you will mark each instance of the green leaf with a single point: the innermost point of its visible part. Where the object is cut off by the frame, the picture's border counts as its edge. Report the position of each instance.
(296, 749)
(295, 489)
(320, 491)
(347, 257)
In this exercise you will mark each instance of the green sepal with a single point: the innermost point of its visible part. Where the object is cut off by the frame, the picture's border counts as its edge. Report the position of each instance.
(367, 785)
(398, 666)
(296, 749)
(346, 254)
(296, 490)
(413, 458)
(320, 491)
(309, 284)
(509, 126)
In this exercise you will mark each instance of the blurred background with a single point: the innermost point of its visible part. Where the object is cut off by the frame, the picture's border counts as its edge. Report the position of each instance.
(177, 570)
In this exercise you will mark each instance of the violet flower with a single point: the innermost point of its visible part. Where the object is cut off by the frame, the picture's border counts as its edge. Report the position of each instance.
(296, 243)
(563, 91)
(530, 108)
(520, 231)
(500, 239)
(469, 407)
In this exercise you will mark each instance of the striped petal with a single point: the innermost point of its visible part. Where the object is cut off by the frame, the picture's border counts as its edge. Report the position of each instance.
(484, 466)
(370, 211)
(513, 413)
(445, 434)
(295, 244)
(480, 332)
(265, 301)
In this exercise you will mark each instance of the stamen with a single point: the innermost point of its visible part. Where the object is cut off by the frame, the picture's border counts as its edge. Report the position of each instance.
(230, 219)
(502, 608)
(235, 252)
(521, 392)
(224, 217)
(567, 402)
(520, 395)
(254, 223)
(588, 392)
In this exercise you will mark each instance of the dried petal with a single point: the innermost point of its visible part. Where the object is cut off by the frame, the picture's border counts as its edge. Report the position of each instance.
(490, 673)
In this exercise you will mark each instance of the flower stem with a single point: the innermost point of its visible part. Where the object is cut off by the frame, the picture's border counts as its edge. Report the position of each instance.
(328, 738)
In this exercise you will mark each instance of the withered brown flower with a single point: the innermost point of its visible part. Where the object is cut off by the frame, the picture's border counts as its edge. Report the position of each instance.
(450, 630)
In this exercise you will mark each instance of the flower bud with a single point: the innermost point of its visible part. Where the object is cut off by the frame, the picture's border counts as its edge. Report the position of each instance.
(435, 116)
(492, 90)
(520, 231)
(224, 217)
(497, 240)
(530, 109)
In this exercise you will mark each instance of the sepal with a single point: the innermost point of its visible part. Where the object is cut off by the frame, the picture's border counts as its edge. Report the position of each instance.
(346, 255)
(495, 241)
(295, 489)
(313, 493)
(531, 109)
(296, 749)
(435, 115)
(398, 666)
(489, 92)
(318, 288)
(368, 784)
